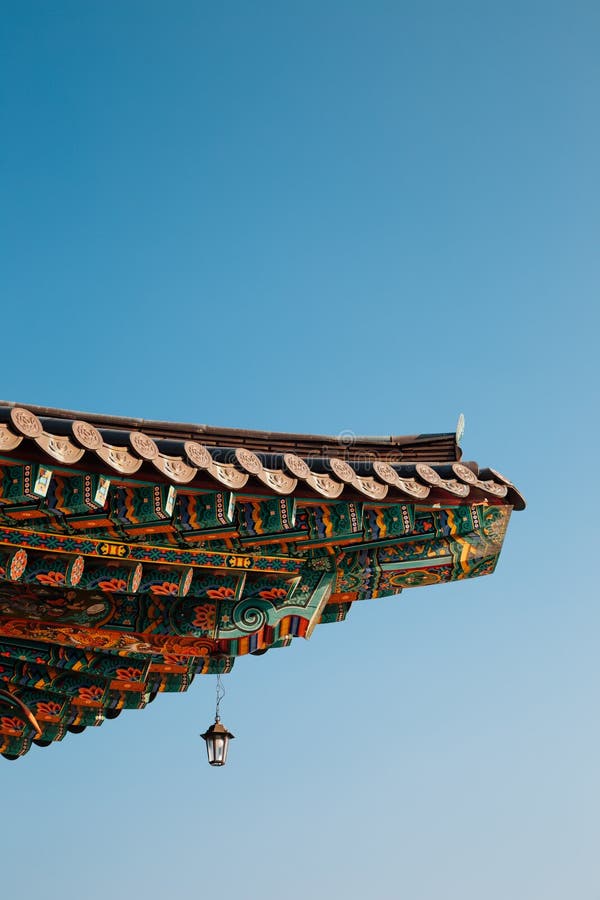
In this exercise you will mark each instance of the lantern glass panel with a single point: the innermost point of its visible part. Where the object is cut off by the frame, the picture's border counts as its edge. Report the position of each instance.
(219, 750)
(216, 747)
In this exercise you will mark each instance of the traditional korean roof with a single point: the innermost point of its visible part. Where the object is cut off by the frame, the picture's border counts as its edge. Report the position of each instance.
(136, 554)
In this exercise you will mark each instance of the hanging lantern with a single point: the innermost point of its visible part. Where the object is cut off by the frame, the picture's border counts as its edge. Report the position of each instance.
(217, 737)
(217, 743)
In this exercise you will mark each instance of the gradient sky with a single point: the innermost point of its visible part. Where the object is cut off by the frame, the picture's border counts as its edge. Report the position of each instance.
(325, 217)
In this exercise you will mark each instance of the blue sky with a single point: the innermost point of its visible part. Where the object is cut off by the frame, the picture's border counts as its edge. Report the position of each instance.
(326, 217)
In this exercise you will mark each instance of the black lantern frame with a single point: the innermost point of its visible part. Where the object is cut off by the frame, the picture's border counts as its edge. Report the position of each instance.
(217, 739)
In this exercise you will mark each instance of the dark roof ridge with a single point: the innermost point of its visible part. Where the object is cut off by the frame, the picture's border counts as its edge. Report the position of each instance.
(149, 425)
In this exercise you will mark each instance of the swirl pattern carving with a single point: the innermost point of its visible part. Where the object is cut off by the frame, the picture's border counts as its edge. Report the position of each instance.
(250, 615)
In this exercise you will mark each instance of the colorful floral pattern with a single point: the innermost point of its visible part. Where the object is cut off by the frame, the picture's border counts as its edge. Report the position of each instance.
(12, 724)
(128, 674)
(221, 593)
(92, 694)
(165, 589)
(114, 584)
(205, 617)
(18, 564)
(48, 708)
(91, 651)
(274, 594)
(51, 578)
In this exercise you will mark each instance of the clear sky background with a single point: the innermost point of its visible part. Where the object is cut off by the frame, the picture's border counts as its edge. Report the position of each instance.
(324, 217)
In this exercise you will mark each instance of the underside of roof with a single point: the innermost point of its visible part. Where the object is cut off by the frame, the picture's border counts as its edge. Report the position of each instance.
(135, 555)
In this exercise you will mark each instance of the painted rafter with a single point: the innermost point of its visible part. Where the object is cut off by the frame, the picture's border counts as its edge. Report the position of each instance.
(130, 562)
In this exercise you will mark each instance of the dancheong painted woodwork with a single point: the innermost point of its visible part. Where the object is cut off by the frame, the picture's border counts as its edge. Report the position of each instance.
(135, 555)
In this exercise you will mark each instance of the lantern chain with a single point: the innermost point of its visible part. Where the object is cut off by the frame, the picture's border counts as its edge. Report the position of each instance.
(220, 695)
